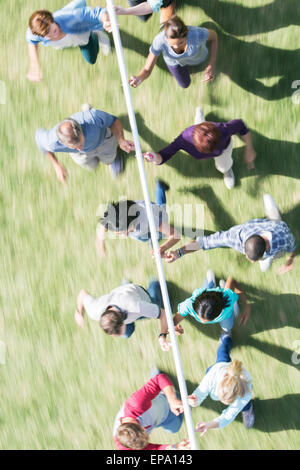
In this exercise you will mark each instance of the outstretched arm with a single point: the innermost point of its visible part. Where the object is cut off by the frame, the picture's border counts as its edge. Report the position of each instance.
(60, 170)
(188, 248)
(118, 131)
(141, 9)
(210, 71)
(288, 266)
(235, 287)
(135, 81)
(79, 314)
(35, 73)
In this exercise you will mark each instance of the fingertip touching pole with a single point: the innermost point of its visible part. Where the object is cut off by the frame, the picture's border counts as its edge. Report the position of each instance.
(162, 280)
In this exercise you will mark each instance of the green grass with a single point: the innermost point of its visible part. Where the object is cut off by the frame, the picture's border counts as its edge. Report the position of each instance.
(61, 388)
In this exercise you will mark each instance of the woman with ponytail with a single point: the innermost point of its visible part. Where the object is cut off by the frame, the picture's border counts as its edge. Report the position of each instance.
(228, 382)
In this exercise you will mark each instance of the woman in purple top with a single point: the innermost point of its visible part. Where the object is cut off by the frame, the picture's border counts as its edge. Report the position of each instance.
(209, 140)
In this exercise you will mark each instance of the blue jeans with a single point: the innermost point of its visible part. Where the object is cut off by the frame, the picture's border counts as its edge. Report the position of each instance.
(223, 355)
(227, 324)
(172, 423)
(160, 200)
(156, 298)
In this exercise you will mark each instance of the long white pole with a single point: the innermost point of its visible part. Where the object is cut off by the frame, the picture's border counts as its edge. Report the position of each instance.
(161, 275)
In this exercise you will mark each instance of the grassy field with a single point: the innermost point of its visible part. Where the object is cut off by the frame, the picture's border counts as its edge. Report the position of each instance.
(60, 387)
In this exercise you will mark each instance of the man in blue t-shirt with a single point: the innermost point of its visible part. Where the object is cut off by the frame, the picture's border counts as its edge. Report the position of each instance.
(90, 137)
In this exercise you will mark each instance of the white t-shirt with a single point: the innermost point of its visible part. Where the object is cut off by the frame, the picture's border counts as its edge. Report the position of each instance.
(71, 40)
(129, 297)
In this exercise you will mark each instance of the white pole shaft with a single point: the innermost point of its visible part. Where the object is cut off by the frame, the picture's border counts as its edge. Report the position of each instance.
(162, 280)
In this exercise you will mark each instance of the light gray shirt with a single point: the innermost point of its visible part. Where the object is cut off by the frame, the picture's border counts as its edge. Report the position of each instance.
(195, 53)
(129, 297)
(142, 229)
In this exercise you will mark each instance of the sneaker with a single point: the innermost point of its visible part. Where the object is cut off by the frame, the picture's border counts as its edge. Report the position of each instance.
(116, 167)
(248, 417)
(210, 276)
(229, 179)
(265, 264)
(222, 283)
(271, 210)
(104, 42)
(86, 107)
(199, 116)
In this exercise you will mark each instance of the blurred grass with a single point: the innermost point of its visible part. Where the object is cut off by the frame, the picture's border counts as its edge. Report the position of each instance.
(61, 388)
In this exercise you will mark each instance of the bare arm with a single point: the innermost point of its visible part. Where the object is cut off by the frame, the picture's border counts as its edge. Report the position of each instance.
(210, 71)
(288, 266)
(60, 170)
(145, 72)
(250, 153)
(174, 237)
(188, 248)
(175, 404)
(235, 287)
(79, 314)
(118, 131)
(34, 74)
(100, 241)
(142, 9)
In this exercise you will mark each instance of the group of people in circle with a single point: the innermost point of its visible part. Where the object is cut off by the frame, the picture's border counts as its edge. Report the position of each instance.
(91, 136)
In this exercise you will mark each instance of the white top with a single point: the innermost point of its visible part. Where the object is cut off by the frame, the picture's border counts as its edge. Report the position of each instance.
(129, 297)
(209, 386)
(71, 40)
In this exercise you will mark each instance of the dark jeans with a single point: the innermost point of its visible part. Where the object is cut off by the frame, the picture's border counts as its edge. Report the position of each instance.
(181, 75)
(223, 355)
(91, 49)
(134, 3)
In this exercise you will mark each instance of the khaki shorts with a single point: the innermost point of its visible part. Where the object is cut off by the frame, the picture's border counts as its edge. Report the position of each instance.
(105, 153)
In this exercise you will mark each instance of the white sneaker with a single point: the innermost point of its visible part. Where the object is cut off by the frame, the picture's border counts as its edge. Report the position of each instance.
(104, 42)
(271, 210)
(229, 179)
(222, 283)
(265, 264)
(210, 276)
(86, 107)
(199, 116)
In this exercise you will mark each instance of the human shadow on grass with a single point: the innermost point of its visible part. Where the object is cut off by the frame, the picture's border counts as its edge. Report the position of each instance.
(247, 63)
(241, 20)
(277, 414)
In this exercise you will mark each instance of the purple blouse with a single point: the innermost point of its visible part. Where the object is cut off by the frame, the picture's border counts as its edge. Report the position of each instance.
(185, 140)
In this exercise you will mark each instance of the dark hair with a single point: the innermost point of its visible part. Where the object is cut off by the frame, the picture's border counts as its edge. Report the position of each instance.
(175, 28)
(119, 215)
(111, 322)
(40, 21)
(210, 304)
(132, 436)
(255, 247)
(206, 137)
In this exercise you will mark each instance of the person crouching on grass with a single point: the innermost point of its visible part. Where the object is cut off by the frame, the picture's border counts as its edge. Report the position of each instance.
(228, 382)
(118, 310)
(211, 304)
(129, 218)
(182, 46)
(154, 405)
(72, 26)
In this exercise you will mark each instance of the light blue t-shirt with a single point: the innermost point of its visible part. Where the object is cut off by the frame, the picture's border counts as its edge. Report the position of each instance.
(155, 5)
(186, 308)
(94, 124)
(195, 53)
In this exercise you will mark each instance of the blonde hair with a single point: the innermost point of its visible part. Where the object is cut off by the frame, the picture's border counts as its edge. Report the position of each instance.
(234, 384)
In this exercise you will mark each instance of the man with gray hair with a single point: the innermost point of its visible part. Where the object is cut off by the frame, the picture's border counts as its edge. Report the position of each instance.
(90, 136)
